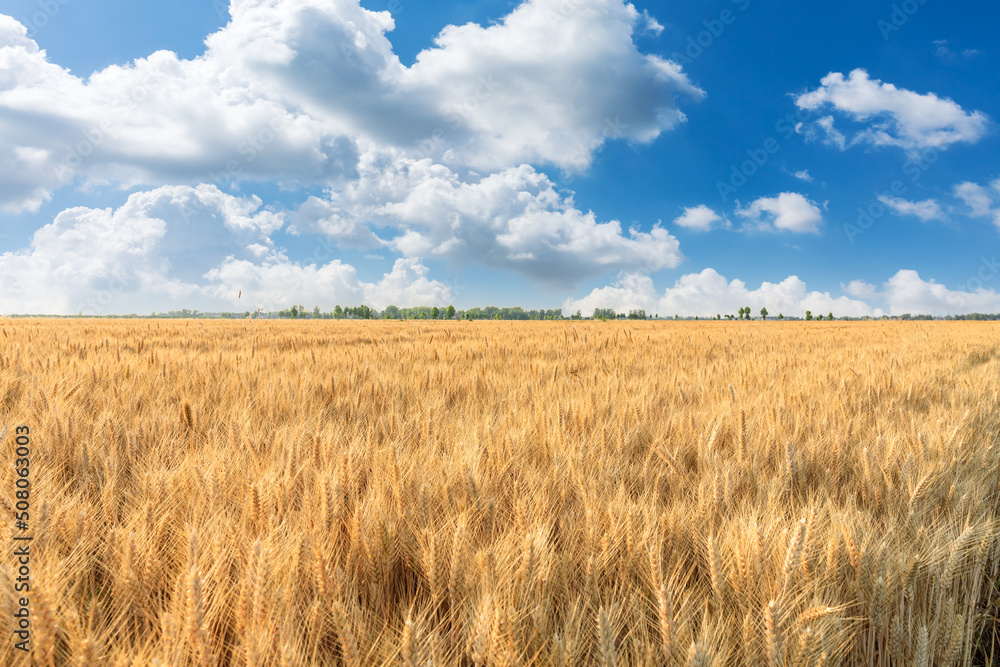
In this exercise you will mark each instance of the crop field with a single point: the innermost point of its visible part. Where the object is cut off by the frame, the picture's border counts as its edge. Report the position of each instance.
(503, 493)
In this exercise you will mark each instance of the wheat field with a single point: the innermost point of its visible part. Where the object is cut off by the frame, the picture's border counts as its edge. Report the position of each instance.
(505, 493)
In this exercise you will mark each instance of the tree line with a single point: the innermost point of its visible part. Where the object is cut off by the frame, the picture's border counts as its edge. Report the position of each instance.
(391, 312)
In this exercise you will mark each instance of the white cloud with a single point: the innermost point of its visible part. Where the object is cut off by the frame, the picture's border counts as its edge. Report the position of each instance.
(548, 84)
(976, 197)
(907, 292)
(323, 216)
(433, 160)
(293, 90)
(831, 135)
(860, 289)
(708, 293)
(699, 218)
(982, 201)
(926, 210)
(894, 116)
(946, 54)
(406, 285)
(803, 175)
(513, 219)
(649, 25)
(789, 211)
(277, 282)
(183, 247)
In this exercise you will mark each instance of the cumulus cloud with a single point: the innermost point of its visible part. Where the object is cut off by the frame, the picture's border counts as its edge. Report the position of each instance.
(860, 289)
(893, 116)
(434, 160)
(789, 211)
(513, 219)
(548, 84)
(700, 218)
(183, 247)
(708, 293)
(293, 90)
(907, 292)
(926, 210)
(277, 282)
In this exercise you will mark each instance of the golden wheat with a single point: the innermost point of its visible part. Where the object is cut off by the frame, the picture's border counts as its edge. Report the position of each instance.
(493, 493)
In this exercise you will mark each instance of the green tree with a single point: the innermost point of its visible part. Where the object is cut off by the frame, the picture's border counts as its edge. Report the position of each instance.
(749, 316)
(435, 312)
(338, 312)
(763, 313)
(294, 311)
(316, 312)
(781, 316)
(829, 316)
(450, 313)
(809, 315)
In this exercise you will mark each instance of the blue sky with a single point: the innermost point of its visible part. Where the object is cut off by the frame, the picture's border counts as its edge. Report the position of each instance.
(685, 158)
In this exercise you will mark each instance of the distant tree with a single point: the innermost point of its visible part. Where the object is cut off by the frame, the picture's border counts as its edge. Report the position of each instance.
(338, 312)
(316, 312)
(294, 311)
(435, 312)
(809, 315)
(763, 313)
(819, 317)
(749, 316)
(829, 316)
(780, 316)
(450, 313)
